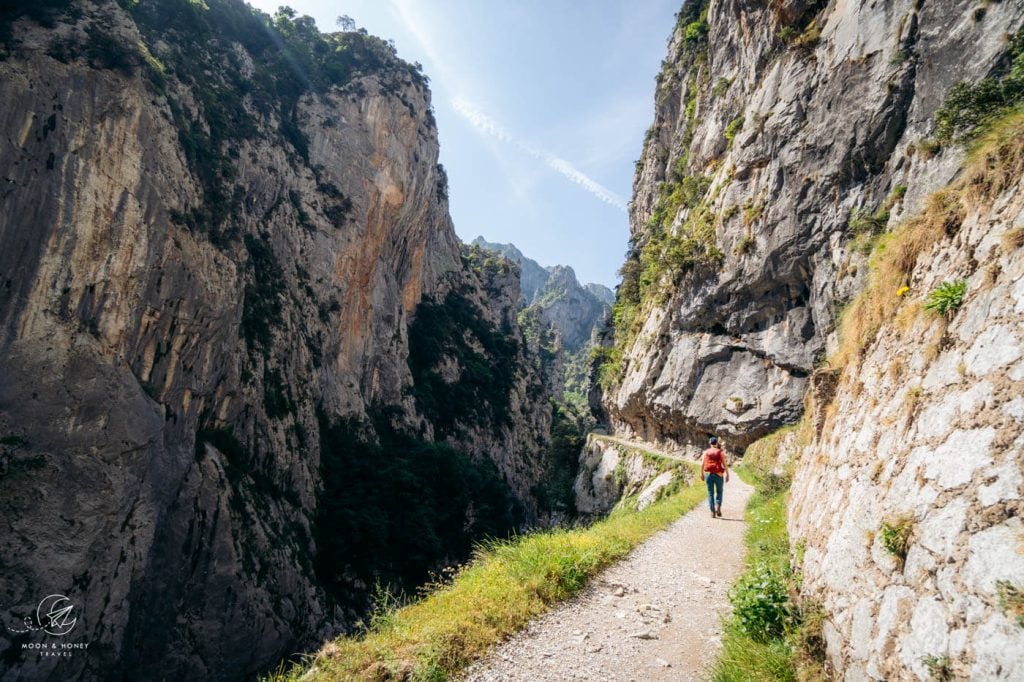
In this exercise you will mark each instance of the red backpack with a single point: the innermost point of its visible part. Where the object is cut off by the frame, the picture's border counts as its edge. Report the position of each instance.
(714, 461)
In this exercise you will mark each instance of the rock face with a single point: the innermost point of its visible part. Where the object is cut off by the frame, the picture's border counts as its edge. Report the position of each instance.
(207, 260)
(613, 471)
(792, 171)
(601, 292)
(573, 309)
(779, 129)
(570, 308)
(532, 276)
(926, 431)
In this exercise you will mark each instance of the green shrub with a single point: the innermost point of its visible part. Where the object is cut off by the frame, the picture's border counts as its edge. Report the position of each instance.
(895, 196)
(810, 37)
(561, 461)
(760, 603)
(865, 223)
(242, 468)
(277, 398)
(947, 297)
(608, 361)
(774, 484)
(107, 51)
(898, 57)
(693, 20)
(13, 441)
(866, 226)
(788, 34)
(968, 108)
(691, 190)
(745, 245)
(696, 32)
(1011, 601)
(721, 86)
(940, 668)
(487, 365)
(734, 128)
(394, 509)
(895, 537)
(752, 213)
(43, 12)
(261, 305)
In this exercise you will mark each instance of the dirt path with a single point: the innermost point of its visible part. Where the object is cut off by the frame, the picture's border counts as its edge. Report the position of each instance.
(646, 448)
(653, 616)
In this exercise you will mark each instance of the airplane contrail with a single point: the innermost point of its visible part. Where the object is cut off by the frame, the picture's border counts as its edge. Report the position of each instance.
(489, 126)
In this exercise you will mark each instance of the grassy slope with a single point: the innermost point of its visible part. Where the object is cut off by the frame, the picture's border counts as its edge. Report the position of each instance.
(995, 160)
(506, 585)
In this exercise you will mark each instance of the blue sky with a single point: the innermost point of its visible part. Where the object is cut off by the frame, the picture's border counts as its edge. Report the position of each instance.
(541, 108)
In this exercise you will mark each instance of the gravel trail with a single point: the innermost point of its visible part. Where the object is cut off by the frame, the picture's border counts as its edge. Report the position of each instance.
(653, 616)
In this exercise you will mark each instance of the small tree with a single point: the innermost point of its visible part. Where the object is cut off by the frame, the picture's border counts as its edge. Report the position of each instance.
(346, 23)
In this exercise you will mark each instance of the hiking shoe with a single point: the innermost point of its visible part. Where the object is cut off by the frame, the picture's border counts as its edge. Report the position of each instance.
(713, 514)
(718, 512)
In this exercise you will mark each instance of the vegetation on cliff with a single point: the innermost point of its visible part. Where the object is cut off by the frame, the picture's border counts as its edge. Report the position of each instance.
(969, 107)
(667, 247)
(395, 508)
(994, 160)
(485, 359)
(561, 461)
(217, 99)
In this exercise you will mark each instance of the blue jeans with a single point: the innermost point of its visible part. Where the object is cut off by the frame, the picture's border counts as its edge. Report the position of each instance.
(714, 482)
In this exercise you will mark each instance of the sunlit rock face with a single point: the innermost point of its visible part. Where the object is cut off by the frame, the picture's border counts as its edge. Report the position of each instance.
(204, 262)
(788, 139)
(926, 428)
(775, 127)
(571, 308)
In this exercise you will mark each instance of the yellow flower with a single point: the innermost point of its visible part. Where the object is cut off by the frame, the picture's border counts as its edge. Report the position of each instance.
(902, 290)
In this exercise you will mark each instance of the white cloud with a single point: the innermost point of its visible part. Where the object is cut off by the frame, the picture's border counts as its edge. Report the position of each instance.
(489, 126)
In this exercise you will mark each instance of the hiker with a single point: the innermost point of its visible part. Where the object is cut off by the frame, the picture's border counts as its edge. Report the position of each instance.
(711, 469)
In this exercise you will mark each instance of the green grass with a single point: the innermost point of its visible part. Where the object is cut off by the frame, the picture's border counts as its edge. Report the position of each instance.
(506, 585)
(744, 660)
(767, 539)
(746, 653)
(895, 535)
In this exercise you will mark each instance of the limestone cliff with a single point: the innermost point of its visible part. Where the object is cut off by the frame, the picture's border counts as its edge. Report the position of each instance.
(217, 229)
(533, 275)
(562, 320)
(828, 213)
(784, 132)
(570, 307)
(614, 472)
(907, 503)
(573, 309)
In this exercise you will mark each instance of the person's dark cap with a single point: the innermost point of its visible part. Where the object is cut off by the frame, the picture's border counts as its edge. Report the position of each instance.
(713, 440)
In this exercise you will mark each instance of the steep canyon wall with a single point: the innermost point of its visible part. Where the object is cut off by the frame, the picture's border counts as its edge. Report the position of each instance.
(217, 229)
